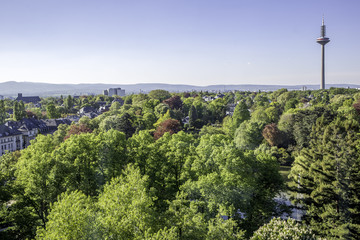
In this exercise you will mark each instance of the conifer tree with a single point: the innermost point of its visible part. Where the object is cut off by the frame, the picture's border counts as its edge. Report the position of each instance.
(192, 115)
(19, 110)
(241, 113)
(326, 179)
(2, 112)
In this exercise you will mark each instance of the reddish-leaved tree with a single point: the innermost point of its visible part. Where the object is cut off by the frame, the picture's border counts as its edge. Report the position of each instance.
(174, 102)
(77, 129)
(357, 107)
(273, 135)
(170, 125)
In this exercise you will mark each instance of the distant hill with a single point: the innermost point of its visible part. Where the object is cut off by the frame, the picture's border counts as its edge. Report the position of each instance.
(46, 89)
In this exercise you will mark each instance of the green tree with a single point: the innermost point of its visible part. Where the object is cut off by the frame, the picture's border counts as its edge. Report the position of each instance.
(60, 133)
(149, 120)
(241, 114)
(115, 106)
(22, 109)
(79, 162)
(112, 154)
(192, 115)
(191, 223)
(51, 111)
(122, 123)
(2, 112)
(140, 147)
(217, 108)
(126, 125)
(161, 109)
(159, 94)
(228, 178)
(278, 229)
(19, 111)
(39, 178)
(162, 118)
(125, 206)
(260, 115)
(14, 211)
(179, 151)
(249, 135)
(325, 176)
(273, 113)
(73, 216)
(68, 103)
(291, 103)
(109, 122)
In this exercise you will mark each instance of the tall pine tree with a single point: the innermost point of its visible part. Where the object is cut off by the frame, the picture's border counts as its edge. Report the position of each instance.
(19, 110)
(326, 179)
(2, 112)
(241, 113)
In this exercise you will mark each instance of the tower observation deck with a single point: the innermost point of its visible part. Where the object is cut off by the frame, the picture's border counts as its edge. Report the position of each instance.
(322, 40)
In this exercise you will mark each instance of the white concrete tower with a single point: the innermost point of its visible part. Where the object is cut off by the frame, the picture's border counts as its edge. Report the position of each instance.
(322, 40)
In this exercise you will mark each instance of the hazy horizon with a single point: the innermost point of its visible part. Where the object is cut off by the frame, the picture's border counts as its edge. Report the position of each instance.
(198, 43)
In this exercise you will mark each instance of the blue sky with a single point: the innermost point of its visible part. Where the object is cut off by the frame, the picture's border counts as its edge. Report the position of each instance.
(199, 42)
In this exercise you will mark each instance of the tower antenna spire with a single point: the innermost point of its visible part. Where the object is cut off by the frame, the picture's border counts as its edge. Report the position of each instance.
(323, 28)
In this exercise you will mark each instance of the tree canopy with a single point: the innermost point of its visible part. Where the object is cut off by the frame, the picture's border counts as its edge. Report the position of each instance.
(197, 165)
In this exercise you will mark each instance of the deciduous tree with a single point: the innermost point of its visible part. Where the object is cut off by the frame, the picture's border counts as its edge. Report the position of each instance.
(170, 125)
(174, 102)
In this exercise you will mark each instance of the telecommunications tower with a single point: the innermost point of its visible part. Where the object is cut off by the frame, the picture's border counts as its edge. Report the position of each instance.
(322, 40)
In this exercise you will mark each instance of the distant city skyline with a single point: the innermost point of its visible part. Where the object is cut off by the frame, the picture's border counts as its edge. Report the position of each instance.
(200, 42)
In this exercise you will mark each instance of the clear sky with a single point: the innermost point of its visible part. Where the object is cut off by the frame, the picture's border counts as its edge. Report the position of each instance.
(199, 42)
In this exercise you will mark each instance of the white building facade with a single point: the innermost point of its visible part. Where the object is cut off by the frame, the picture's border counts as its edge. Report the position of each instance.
(10, 140)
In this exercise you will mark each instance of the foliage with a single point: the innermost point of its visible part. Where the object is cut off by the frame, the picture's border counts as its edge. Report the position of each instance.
(174, 102)
(327, 175)
(216, 179)
(77, 129)
(115, 106)
(38, 177)
(190, 223)
(225, 177)
(68, 103)
(357, 107)
(169, 125)
(162, 118)
(273, 135)
(278, 229)
(123, 124)
(71, 217)
(19, 110)
(241, 114)
(52, 112)
(159, 94)
(249, 135)
(125, 206)
(2, 112)
(192, 115)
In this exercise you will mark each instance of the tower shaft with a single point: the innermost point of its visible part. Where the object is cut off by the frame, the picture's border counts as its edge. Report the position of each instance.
(322, 86)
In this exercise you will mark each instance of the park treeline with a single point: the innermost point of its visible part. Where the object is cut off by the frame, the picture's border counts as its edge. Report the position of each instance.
(194, 165)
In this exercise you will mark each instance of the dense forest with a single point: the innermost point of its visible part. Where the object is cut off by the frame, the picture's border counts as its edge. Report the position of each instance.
(192, 165)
